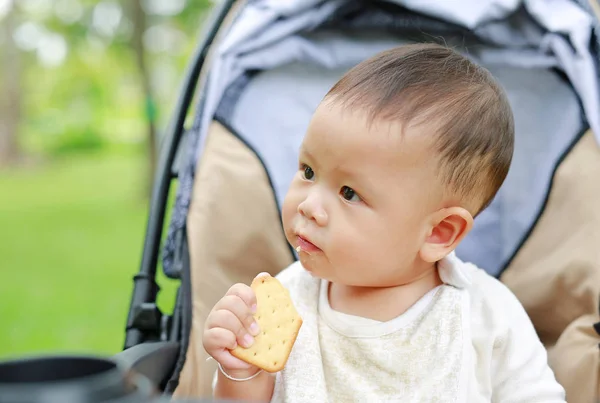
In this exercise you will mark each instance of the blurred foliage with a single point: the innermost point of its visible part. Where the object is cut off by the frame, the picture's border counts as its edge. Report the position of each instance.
(72, 223)
(92, 95)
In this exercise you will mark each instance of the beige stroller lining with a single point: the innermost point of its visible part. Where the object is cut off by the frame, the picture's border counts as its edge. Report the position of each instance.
(234, 233)
(556, 274)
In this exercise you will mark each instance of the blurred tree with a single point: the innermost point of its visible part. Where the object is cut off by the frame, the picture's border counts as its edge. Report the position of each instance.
(91, 75)
(138, 16)
(10, 90)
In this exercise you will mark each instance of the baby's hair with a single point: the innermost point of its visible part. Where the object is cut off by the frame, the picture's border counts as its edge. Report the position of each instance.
(466, 109)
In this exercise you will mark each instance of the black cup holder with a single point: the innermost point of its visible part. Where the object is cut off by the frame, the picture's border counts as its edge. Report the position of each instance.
(53, 369)
(70, 379)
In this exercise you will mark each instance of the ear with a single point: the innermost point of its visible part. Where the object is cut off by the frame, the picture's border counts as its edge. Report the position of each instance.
(448, 227)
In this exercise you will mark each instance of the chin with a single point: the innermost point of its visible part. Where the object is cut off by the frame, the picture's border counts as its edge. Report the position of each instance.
(313, 269)
(310, 265)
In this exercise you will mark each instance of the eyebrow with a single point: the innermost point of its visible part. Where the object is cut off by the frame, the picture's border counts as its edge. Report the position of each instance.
(303, 150)
(307, 154)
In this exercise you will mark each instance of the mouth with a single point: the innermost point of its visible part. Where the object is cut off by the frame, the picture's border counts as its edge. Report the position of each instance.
(304, 245)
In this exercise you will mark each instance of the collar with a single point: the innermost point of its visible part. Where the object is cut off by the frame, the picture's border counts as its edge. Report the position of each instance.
(454, 271)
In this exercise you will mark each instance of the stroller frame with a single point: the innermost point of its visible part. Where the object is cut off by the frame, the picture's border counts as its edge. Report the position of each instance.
(152, 337)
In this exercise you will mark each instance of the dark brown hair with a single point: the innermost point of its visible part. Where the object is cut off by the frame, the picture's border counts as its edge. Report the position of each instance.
(466, 108)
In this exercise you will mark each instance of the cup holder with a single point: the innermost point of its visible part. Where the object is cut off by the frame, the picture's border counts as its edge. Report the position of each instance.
(70, 379)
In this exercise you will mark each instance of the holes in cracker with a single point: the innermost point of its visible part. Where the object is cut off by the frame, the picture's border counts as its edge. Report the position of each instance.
(274, 362)
(255, 353)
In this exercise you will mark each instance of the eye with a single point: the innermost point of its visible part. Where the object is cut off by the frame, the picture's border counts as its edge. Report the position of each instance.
(349, 194)
(308, 173)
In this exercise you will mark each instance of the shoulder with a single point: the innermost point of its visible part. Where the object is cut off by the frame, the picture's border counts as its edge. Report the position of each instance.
(500, 324)
(488, 296)
(493, 303)
(518, 364)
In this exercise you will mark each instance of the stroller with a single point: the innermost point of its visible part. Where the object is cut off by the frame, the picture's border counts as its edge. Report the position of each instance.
(263, 66)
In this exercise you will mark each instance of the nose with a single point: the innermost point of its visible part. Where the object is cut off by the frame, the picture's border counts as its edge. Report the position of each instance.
(312, 208)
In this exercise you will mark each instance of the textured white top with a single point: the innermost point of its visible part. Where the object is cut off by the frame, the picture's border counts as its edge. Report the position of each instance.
(468, 340)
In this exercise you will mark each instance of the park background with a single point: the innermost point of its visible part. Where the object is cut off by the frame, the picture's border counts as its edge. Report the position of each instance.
(86, 90)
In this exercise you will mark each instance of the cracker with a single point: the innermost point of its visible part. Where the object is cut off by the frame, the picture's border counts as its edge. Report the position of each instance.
(279, 324)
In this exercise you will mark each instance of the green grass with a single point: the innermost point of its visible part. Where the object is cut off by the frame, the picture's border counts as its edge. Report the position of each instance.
(71, 236)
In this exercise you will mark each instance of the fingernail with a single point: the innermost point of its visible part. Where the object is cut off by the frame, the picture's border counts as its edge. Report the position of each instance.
(248, 340)
(254, 328)
(253, 308)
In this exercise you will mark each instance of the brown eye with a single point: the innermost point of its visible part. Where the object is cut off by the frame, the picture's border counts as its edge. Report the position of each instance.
(349, 194)
(308, 173)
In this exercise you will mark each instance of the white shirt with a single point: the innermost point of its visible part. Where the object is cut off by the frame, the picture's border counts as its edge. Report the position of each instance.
(468, 340)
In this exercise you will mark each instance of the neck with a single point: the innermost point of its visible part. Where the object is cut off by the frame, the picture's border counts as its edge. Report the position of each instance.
(382, 303)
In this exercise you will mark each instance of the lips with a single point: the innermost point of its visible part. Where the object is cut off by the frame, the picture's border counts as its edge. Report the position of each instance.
(306, 246)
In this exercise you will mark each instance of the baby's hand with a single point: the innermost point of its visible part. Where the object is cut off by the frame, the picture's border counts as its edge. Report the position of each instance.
(231, 323)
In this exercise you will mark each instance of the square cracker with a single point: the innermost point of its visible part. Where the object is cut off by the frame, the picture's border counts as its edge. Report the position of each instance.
(279, 324)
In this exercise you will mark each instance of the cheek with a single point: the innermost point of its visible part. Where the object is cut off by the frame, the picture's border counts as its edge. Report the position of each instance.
(375, 239)
(402, 239)
(355, 236)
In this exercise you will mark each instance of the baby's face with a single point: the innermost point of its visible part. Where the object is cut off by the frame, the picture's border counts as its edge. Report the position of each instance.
(359, 205)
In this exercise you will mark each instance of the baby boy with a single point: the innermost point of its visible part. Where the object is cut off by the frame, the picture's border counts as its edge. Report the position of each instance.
(399, 157)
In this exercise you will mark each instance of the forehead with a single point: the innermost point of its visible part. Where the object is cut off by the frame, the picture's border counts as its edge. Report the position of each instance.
(346, 139)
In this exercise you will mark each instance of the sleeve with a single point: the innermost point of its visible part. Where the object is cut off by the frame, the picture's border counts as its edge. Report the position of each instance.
(520, 370)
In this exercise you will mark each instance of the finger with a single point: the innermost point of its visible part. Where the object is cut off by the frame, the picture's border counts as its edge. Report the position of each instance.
(226, 319)
(230, 362)
(217, 343)
(263, 274)
(217, 338)
(239, 308)
(246, 294)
